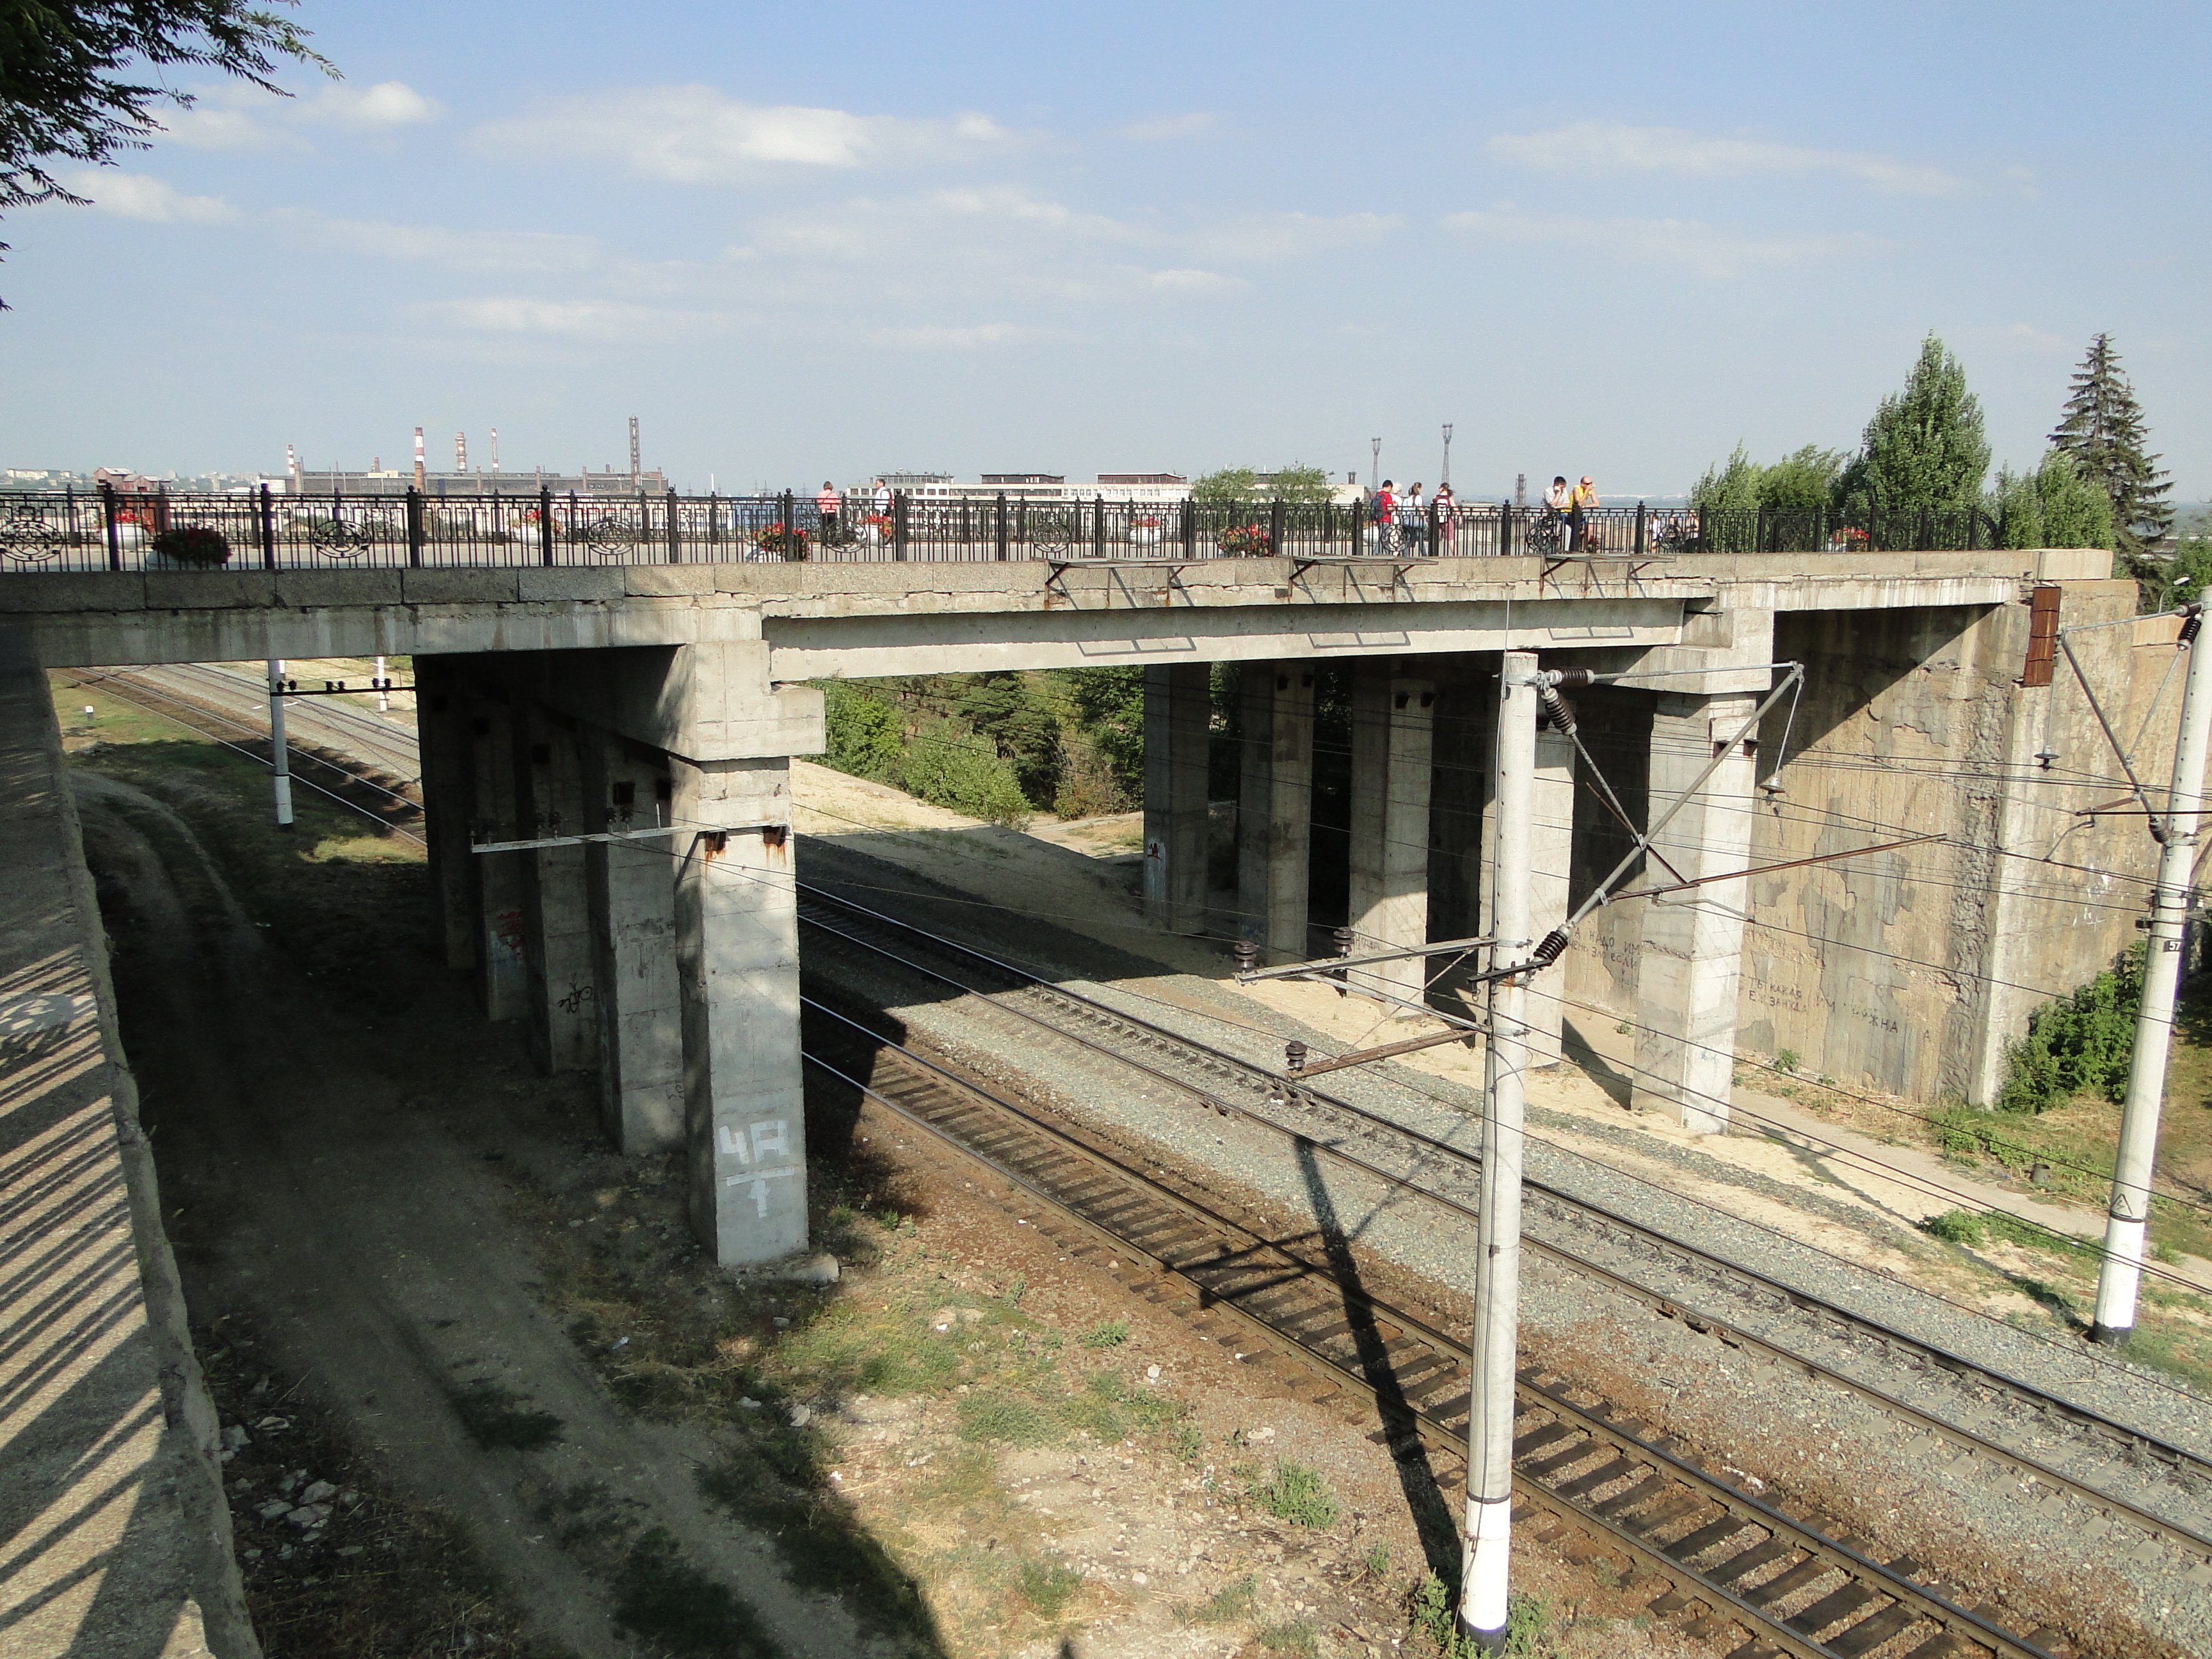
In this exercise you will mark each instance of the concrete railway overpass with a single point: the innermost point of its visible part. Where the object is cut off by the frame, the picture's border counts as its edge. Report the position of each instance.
(561, 702)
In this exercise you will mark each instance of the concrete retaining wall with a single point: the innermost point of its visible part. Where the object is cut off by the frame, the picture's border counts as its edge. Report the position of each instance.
(117, 1536)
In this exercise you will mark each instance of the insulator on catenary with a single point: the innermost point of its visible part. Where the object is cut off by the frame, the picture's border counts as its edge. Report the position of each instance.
(2192, 620)
(1574, 679)
(1549, 948)
(1556, 710)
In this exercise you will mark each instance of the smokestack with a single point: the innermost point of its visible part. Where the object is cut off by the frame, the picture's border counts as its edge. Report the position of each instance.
(292, 463)
(637, 470)
(460, 452)
(494, 449)
(419, 480)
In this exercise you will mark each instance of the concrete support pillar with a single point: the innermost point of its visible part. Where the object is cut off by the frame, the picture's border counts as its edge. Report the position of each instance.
(737, 958)
(502, 980)
(561, 990)
(632, 905)
(1553, 847)
(441, 733)
(1274, 817)
(1178, 715)
(1393, 725)
(1693, 942)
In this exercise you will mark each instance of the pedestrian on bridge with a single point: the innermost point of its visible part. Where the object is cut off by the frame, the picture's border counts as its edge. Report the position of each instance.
(1443, 508)
(826, 504)
(1582, 501)
(1385, 511)
(1413, 521)
(1555, 513)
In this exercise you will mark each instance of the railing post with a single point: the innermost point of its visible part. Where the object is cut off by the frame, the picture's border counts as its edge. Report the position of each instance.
(1275, 526)
(545, 523)
(1505, 530)
(898, 526)
(675, 533)
(999, 518)
(1098, 527)
(1642, 530)
(114, 529)
(268, 531)
(1189, 528)
(415, 527)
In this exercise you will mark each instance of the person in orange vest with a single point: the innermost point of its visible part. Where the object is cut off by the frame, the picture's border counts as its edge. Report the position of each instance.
(826, 504)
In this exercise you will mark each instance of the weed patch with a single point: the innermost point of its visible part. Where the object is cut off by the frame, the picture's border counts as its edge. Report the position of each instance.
(1300, 1638)
(997, 1417)
(1231, 1602)
(1297, 1494)
(1107, 1334)
(1047, 1586)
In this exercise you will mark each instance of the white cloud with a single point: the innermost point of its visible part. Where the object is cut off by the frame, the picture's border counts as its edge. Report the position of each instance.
(1167, 128)
(1196, 281)
(589, 318)
(138, 196)
(694, 135)
(507, 251)
(1608, 148)
(1269, 237)
(379, 108)
(958, 339)
(210, 126)
(1703, 248)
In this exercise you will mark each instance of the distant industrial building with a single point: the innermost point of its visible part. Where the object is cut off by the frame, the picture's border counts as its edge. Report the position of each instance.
(299, 479)
(1041, 487)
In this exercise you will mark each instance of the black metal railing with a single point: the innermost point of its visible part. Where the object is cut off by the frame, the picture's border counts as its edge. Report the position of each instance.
(263, 529)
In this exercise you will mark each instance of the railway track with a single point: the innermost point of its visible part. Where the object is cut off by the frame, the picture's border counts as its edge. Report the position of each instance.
(326, 721)
(1709, 1551)
(1339, 1131)
(143, 691)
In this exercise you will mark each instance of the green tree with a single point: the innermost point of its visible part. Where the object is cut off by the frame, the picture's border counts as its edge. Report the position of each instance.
(1730, 487)
(1925, 448)
(865, 733)
(1301, 485)
(1803, 479)
(1011, 713)
(1229, 486)
(2075, 513)
(2102, 430)
(1109, 710)
(80, 79)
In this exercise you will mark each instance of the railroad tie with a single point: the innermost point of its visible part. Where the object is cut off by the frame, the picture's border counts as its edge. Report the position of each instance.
(1789, 1583)
(1870, 1633)
(1603, 1476)
(1848, 1600)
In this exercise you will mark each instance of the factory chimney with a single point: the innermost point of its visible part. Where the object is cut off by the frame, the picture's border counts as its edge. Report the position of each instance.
(460, 452)
(636, 469)
(494, 449)
(419, 479)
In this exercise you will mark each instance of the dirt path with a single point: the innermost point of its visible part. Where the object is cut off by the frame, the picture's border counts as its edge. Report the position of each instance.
(334, 1191)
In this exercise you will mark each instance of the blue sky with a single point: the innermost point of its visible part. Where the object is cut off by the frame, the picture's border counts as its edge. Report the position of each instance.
(829, 239)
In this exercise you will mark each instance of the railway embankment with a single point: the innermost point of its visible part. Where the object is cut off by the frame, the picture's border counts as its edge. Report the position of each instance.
(1760, 1375)
(111, 1486)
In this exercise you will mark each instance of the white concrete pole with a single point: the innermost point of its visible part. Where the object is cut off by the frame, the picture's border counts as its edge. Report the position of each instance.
(1497, 1266)
(382, 696)
(280, 756)
(2128, 1220)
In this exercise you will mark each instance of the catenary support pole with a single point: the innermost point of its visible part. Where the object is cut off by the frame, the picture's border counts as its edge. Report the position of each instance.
(1498, 1264)
(280, 756)
(383, 689)
(2128, 1221)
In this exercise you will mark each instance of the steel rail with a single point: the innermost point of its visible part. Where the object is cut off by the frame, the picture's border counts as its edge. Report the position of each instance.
(2115, 1438)
(253, 691)
(1654, 1471)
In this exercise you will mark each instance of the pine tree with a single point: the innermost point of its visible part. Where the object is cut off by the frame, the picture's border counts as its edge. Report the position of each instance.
(1925, 447)
(2103, 430)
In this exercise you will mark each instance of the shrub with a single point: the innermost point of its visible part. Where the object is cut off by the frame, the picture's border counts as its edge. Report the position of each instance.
(2079, 1043)
(194, 543)
(949, 767)
(864, 732)
(1107, 1334)
(1954, 1227)
(663, 1598)
(1297, 1494)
